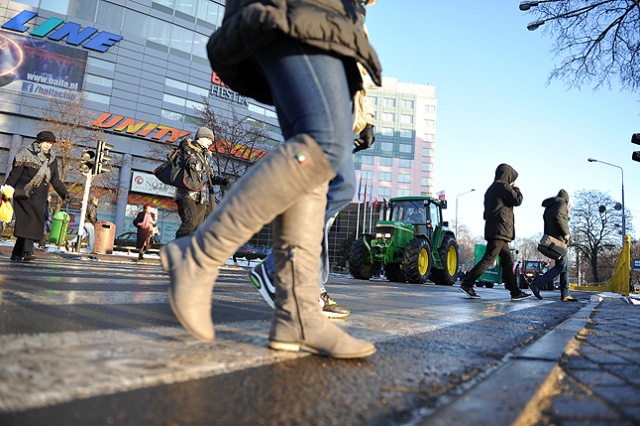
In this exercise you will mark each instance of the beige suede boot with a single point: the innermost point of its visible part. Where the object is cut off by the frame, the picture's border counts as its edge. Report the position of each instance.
(269, 188)
(298, 322)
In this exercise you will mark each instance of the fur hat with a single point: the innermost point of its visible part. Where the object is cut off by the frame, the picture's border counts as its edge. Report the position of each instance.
(45, 136)
(203, 132)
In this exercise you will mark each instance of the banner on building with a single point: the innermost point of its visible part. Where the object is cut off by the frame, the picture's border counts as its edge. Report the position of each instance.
(41, 67)
(147, 183)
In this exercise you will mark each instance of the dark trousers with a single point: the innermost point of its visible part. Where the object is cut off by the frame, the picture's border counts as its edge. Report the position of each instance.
(495, 248)
(560, 268)
(191, 215)
(22, 246)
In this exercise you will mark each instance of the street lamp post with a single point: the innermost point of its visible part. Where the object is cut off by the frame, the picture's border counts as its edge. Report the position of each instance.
(624, 222)
(458, 196)
(532, 26)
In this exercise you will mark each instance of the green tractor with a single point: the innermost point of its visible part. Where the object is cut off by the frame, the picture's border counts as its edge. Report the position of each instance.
(413, 244)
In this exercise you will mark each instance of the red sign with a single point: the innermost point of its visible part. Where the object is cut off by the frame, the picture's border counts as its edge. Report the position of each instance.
(129, 125)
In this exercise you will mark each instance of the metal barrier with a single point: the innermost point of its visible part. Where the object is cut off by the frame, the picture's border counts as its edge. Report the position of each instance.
(620, 282)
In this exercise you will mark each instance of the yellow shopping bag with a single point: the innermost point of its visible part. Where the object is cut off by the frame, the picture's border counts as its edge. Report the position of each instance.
(6, 211)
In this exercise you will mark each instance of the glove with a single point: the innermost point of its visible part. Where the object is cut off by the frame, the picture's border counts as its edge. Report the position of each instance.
(7, 192)
(365, 140)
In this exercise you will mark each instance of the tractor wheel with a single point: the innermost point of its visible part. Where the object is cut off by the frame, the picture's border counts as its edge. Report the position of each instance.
(448, 252)
(417, 261)
(394, 272)
(358, 265)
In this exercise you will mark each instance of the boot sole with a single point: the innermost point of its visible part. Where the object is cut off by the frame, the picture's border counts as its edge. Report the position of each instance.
(165, 266)
(334, 315)
(295, 347)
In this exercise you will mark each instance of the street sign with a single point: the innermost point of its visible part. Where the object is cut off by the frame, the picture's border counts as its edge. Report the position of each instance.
(636, 264)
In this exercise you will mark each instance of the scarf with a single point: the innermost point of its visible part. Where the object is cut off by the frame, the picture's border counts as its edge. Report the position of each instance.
(34, 157)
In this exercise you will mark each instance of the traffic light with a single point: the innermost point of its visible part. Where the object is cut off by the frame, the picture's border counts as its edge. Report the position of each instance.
(635, 138)
(102, 158)
(87, 160)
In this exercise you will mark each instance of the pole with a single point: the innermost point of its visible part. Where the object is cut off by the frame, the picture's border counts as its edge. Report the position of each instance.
(83, 210)
(624, 221)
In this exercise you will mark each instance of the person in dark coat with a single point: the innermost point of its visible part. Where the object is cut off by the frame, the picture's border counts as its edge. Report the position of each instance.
(194, 206)
(499, 200)
(34, 169)
(556, 224)
(301, 56)
(146, 223)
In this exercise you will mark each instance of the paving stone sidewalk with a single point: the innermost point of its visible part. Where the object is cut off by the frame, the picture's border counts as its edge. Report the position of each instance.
(597, 380)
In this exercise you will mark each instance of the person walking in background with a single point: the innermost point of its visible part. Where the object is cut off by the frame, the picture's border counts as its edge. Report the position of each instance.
(145, 221)
(193, 206)
(90, 220)
(499, 200)
(556, 224)
(342, 189)
(302, 57)
(34, 169)
(88, 226)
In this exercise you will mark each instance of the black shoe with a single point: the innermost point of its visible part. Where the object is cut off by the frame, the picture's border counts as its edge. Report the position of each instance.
(536, 291)
(331, 309)
(469, 291)
(569, 299)
(140, 256)
(28, 256)
(16, 258)
(521, 296)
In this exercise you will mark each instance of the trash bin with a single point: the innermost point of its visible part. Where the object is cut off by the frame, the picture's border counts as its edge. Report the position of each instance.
(105, 235)
(59, 226)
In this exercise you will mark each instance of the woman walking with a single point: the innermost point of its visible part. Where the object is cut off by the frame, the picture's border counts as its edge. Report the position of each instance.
(300, 56)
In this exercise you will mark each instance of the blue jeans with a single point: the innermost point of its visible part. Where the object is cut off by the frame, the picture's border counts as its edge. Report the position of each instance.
(311, 96)
(560, 268)
(90, 230)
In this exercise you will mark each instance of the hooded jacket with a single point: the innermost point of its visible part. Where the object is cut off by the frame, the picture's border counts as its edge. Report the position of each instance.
(197, 159)
(249, 25)
(556, 215)
(499, 201)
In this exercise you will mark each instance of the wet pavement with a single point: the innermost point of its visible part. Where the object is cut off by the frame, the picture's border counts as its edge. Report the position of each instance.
(92, 341)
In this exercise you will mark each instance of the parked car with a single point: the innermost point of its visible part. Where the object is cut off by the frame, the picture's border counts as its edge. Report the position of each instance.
(127, 241)
(250, 252)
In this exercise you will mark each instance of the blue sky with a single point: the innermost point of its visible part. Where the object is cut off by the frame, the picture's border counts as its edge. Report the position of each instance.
(494, 106)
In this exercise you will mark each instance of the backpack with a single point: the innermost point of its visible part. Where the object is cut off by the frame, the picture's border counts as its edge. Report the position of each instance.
(174, 172)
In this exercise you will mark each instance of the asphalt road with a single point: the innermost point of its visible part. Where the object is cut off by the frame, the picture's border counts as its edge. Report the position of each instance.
(95, 342)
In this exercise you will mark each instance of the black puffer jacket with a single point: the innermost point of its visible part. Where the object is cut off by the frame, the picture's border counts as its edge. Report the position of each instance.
(556, 215)
(249, 25)
(499, 201)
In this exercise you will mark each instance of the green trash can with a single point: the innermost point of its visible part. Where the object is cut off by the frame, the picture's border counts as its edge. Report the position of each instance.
(59, 227)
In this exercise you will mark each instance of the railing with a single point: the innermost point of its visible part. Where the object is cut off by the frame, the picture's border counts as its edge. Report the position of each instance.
(621, 279)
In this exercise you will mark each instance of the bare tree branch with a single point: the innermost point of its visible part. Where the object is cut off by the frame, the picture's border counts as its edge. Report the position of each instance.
(598, 41)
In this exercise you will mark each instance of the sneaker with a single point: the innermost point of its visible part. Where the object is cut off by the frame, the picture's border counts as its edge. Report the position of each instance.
(569, 299)
(260, 279)
(469, 291)
(536, 291)
(521, 296)
(330, 308)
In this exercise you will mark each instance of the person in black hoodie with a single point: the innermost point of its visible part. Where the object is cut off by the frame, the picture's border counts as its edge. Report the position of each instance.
(556, 224)
(499, 200)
